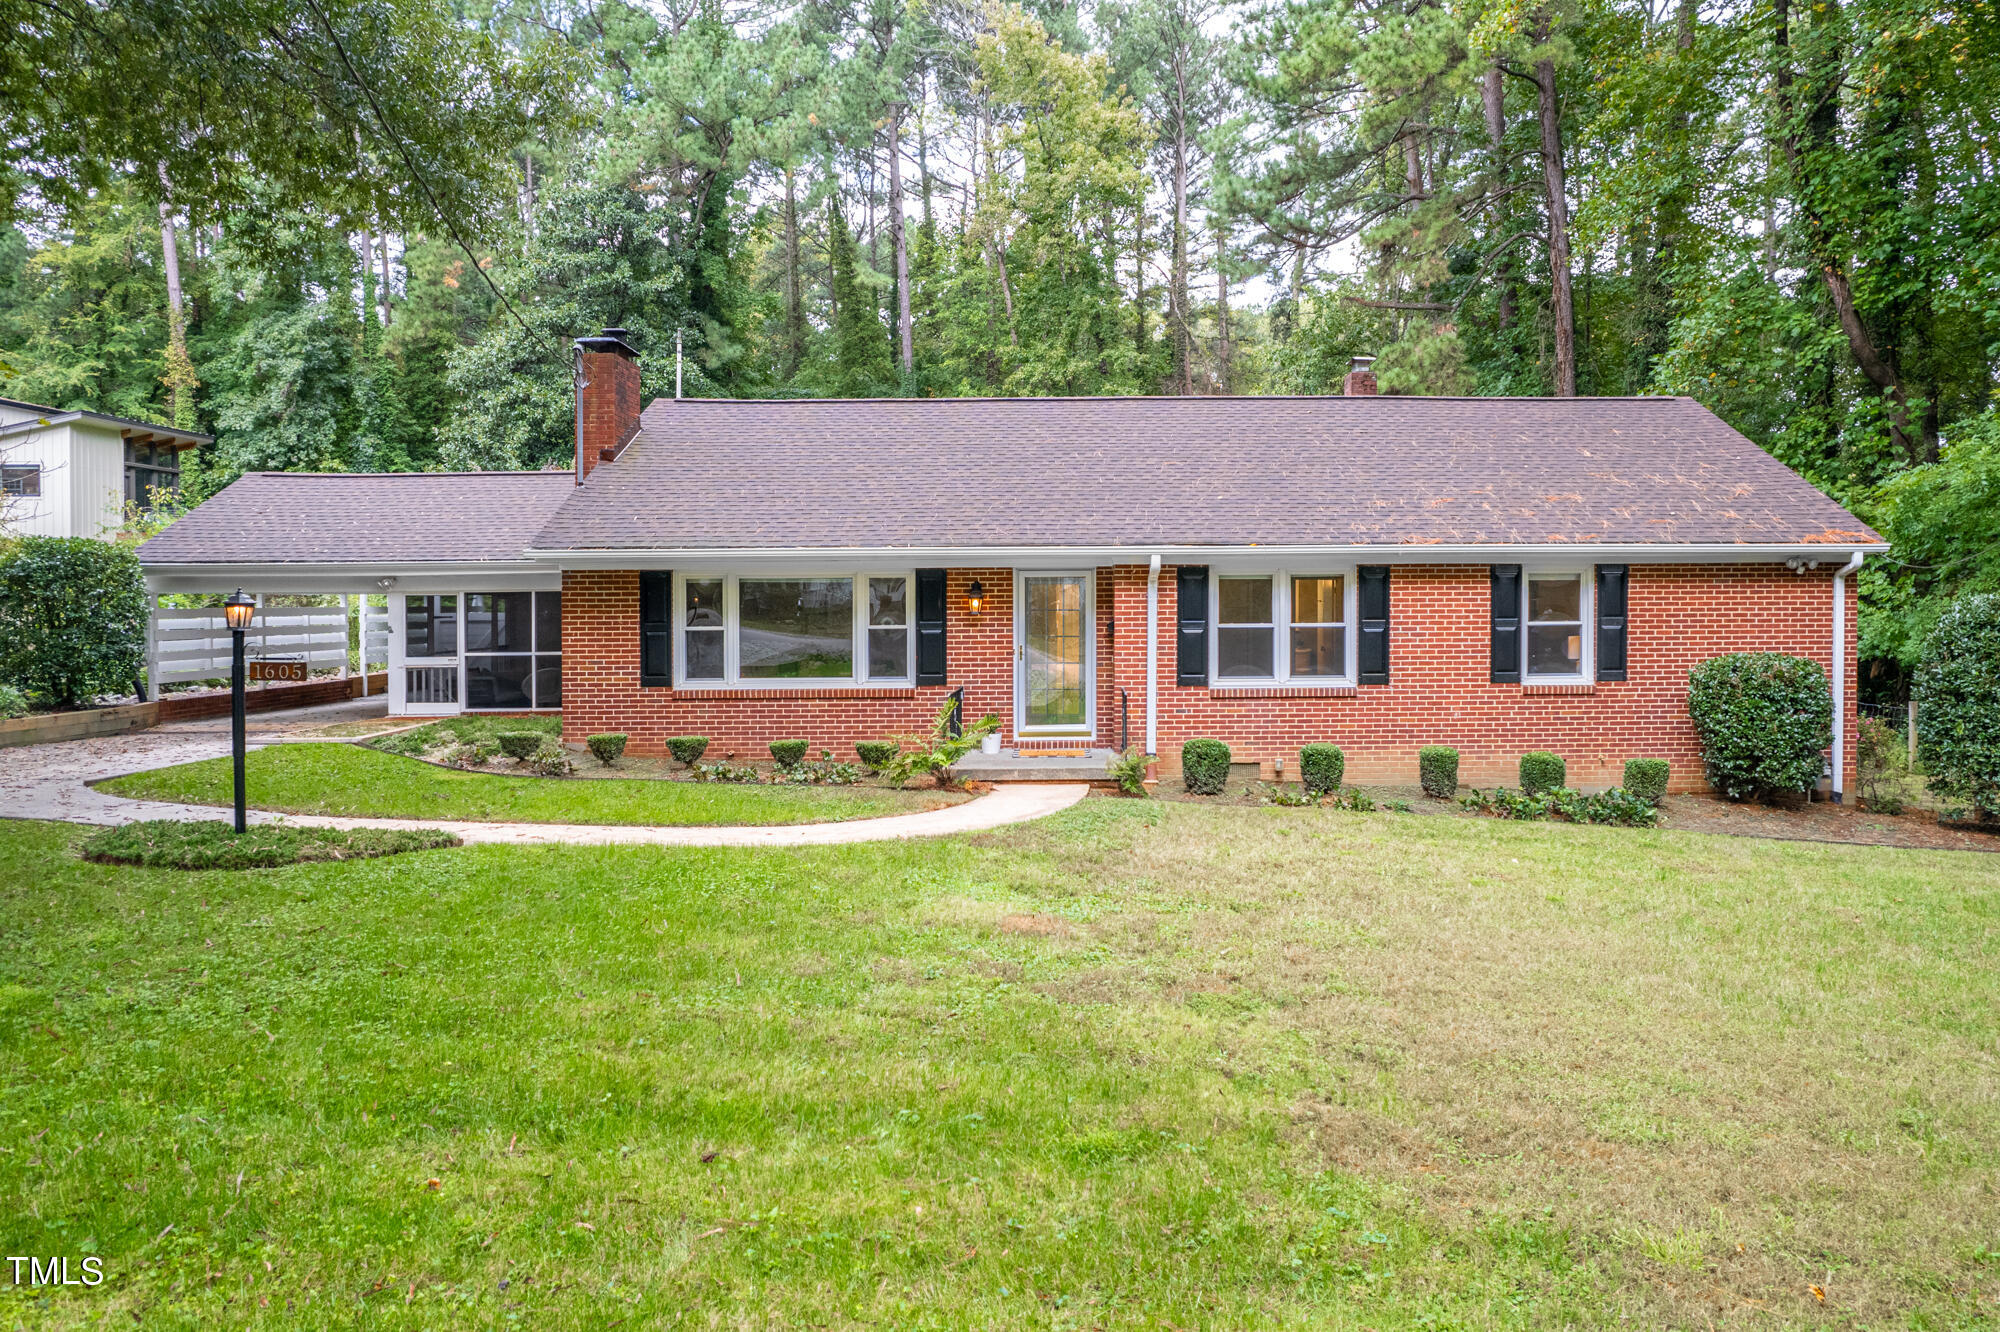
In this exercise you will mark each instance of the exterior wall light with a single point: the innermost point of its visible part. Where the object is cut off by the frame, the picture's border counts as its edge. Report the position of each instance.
(975, 596)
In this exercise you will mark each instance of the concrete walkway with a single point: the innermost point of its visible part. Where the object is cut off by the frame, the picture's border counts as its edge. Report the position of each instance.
(52, 782)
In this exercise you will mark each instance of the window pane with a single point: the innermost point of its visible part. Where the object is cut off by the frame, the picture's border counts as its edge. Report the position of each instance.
(795, 628)
(888, 601)
(497, 682)
(1245, 601)
(1554, 650)
(1319, 650)
(888, 653)
(1555, 600)
(25, 481)
(1318, 601)
(548, 621)
(496, 622)
(548, 681)
(704, 603)
(704, 654)
(1243, 652)
(430, 626)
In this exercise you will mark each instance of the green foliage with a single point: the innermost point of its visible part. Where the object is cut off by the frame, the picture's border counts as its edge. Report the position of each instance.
(1129, 771)
(1205, 766)
(1616, 806)
(935, 753)
(1881, 762)
(72, 618)
(13, 703)
(1290, 797)
(472, 754)
(1764, 719)
(548, 759)
(519, 744)
(607, 748)
(1437, 769)
(1943, 520)
(820, 772)
(688, 749)
(215, 845)
(1958, 704)
(470, 729)
(788, 753)
(875, 755)
(1542, 771)
(724, 772)
(1647, 779)
(1321, 768)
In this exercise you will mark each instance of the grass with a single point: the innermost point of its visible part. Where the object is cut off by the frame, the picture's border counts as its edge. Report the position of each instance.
(466, 730)
(351, 780)
(188, 844)
(1136, 1065)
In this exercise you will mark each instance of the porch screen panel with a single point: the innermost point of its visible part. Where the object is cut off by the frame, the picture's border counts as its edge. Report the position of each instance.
(508, 665)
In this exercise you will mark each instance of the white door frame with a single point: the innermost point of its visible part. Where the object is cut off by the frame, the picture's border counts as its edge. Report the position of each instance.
(399, 637)
(1088, 580)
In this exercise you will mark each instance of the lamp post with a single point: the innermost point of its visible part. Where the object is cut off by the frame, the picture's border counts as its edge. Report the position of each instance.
(237, 612)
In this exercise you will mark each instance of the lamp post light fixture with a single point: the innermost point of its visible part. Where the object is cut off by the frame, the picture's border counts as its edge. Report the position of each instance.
(237, 612)
(975, 596)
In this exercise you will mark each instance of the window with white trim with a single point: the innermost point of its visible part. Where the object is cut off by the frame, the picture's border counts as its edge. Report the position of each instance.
(1284, 627)
(794, 629)
(21, 480)
(1556, 607)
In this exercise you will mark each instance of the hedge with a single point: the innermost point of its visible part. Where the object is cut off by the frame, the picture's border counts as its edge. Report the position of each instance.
(1957, 690)
(519, 744)
(1437, 769)
(789, 753)
(1647, 779)
(1321, 767)
(688, 749)
(1542, 771)
(72, 618)
(1764, 719)
(1205, 766)
(608, 748)
(876, 754)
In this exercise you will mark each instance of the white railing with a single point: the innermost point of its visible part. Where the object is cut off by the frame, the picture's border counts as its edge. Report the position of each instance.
(195, 644)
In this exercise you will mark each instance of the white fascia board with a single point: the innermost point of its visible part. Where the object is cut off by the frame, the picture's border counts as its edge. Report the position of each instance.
(301, 578)
(1069, 557)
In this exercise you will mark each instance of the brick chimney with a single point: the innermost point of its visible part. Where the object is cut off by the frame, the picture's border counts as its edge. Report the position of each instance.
(1360, 382)
(607, 398)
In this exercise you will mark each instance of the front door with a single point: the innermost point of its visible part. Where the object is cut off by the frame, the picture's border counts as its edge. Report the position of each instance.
(1053, 675)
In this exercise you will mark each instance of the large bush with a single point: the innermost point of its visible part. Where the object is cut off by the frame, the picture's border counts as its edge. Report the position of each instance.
(72, 618)
(1764, 719)
(1958, 704)
(1205, 766)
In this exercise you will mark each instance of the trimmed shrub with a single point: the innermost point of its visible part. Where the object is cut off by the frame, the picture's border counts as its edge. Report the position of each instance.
(1437, 769)
(1958, 704)
(1764, 719)
(1321, 768)
(519, 744)
(72, 618)
(608, 748)
(1647, 779)
(876, 755)
(1542, 771)
(13, 703)
(789, 753)
(1205, 766)
(688, 749)
(548, 760)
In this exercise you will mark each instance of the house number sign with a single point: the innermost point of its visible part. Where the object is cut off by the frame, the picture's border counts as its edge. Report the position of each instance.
(278, 668)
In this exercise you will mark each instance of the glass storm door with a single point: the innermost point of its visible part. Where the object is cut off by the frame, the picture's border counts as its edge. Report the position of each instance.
(1053, 685)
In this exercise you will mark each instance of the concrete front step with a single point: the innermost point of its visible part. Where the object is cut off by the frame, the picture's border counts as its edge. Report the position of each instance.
(1010, 765)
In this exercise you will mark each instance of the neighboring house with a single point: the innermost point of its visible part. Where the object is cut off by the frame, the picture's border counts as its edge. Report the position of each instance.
(71, 474)
(1499, 574)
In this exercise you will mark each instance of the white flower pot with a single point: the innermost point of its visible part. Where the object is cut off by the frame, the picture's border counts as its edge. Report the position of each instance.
(991, 744)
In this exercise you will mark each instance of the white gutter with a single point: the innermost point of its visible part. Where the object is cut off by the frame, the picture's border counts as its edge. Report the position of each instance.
(1840, 673)
(1152, 657)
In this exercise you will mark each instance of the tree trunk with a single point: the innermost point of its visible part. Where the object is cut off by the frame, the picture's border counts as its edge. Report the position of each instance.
(1221, 314)
(383, 306)
(179, 380)
(795, 319)
(896, 239)
(1563, 303)
(1493, 97)
(1139, 277)
(1177, 295)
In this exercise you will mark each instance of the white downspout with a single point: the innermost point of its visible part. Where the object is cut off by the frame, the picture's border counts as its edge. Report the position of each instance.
(1840, 673)
(1153, 657)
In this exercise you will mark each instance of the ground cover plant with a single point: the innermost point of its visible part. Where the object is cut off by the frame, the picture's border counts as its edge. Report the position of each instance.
(203, 844)
(357, 781)
(1137, 1065)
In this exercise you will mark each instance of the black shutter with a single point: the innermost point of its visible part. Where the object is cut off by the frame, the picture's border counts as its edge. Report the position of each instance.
(1506, 624)
(1191, 596)
(1611, 601)
(930, 626)
(1374, 649)
(656, 627)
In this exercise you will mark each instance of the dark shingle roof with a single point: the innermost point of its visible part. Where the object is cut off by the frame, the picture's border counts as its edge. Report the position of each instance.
(370, 517)
(1096, 472)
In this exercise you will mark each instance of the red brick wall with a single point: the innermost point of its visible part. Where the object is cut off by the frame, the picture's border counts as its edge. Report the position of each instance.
(1438, 691)
(195, 707)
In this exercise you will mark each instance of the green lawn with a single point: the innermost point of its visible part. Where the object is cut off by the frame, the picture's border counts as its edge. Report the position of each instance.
(361, 782)
(1132, 1066)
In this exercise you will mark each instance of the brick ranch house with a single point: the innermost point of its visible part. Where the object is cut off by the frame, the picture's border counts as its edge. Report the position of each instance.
(1497, 574)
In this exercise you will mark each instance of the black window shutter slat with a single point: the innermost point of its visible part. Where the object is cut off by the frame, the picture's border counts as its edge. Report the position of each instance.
(930, 626)
(1506, 624)
(1374, 648)
(1612, 598)
(656, 627)
(1191, 597)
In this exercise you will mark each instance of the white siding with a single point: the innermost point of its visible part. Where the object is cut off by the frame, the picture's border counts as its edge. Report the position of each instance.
(97, 480)
(51, 514)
